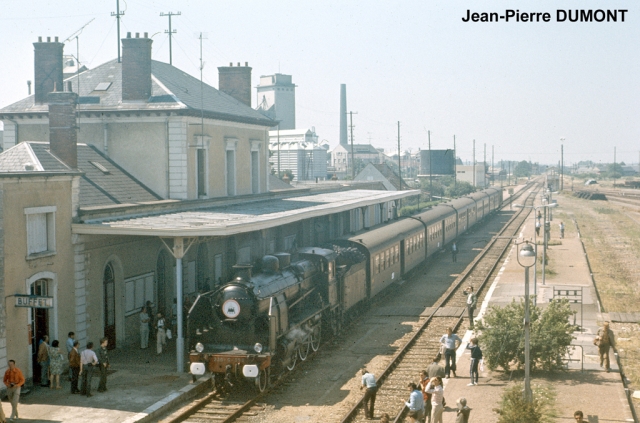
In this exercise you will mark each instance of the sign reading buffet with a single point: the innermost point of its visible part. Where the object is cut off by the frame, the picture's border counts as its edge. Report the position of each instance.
(34, 301)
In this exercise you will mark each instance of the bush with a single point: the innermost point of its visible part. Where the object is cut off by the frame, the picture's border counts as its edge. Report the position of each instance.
(514, 409)
(503, 335)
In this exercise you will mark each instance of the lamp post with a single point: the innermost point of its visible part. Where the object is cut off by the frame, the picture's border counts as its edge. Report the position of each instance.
(526, 259)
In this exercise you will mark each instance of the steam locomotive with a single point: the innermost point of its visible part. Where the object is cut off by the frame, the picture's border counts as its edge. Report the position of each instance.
(261, 323)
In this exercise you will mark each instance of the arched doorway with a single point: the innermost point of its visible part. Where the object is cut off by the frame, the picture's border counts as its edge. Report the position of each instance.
(109, 283)
(39, 325)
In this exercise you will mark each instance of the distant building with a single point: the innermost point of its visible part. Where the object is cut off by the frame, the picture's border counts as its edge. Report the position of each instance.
(465, 174)
(277, 99)
(300, 152)
(437, 162)
(341, 156)
(70, 67)
(382, 173)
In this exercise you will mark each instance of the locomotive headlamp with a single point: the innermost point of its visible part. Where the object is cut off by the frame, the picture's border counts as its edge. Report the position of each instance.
(258, 347)
(199, 347)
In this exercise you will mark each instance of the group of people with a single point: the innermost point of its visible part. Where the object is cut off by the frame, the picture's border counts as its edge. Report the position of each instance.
(51, 360)
(426, 397)
(162, 328)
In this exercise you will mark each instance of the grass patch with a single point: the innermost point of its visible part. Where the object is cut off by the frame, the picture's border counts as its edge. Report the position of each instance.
(602, 210)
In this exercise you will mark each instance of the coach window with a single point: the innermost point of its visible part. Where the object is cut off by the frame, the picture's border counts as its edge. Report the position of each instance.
(377, 268)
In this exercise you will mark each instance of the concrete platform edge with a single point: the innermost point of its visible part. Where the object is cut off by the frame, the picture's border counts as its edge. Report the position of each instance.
(169, 402)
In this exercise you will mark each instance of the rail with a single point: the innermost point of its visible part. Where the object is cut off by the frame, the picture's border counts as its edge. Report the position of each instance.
(350, 416)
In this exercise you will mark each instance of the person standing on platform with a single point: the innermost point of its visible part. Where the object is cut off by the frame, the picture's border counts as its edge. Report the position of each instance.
(103, 360)
(437, 399)
(56, 360)
(13, 380)
(561, 225)
(606, 340)
(144, 328)
(161, 335)
(451, 342)
(435, 369)
(424, 381)
(415, 404)
(538, 228)
(70, 340)
(88, 360)
(74, 365)
(476, 356)
(369, 383)
(454, 252)
(43, 361)
(472, 301)
(462, 415)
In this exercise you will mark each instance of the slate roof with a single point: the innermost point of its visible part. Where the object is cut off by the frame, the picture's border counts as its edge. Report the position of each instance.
(391, 175)
(107, 186)
(171, 90)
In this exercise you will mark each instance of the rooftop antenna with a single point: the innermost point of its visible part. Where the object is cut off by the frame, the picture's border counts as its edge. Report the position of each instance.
(117, 14)
(201, 37)
(171, 32)
(76, 35)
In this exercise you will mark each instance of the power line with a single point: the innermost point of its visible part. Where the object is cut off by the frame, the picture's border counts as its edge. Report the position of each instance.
(170, 31)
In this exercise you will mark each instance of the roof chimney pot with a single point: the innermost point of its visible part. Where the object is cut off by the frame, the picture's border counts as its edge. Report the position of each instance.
(128, 35)
(137, 35)
(246, 63)
(230, 63)
(56, 39)
(47, 68)
(238, 63)
(146, 35)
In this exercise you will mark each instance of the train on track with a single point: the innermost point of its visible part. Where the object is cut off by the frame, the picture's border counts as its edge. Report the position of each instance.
(261, 324)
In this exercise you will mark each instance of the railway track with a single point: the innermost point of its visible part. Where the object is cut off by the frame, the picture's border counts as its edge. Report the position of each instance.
(213, 408)
(449, 312)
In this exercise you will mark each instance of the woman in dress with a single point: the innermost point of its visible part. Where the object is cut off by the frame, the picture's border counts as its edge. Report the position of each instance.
(55, 366)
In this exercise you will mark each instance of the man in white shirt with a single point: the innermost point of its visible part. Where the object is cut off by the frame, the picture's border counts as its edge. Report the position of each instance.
(415, 404)
(369, 383)
(88, 359)
(451, 342)
(472, 300)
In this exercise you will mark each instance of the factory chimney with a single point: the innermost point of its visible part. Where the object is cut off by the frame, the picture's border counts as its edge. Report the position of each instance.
(343, 115)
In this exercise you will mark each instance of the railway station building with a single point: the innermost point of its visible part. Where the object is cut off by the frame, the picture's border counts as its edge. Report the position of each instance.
(109, 199)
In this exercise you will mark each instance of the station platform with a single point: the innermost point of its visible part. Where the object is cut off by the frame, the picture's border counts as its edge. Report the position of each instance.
(142, 385)
(584, 385)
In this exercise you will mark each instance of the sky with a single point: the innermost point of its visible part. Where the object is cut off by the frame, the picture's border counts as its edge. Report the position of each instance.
(516, 87)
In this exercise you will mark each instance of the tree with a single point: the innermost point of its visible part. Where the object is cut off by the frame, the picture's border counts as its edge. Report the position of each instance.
(459, 189)
(514, 409)
(503, 336)
(523, 169)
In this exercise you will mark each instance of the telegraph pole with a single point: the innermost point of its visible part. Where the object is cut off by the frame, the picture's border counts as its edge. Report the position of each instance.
(399, 163)
(484, 166)
(474, 163)
(353, 158)
(170, 32)
(117, 14)
(493, 172)
(614, 167)
(430, 170)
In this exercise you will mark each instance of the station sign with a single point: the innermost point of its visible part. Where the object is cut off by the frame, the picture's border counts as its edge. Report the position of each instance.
(34, 301)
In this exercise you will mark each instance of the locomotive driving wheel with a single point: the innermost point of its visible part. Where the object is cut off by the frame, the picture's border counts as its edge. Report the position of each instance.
(303, 349)
(315, 338)
(292, 363)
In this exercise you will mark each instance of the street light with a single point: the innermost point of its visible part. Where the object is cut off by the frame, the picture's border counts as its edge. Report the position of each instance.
(526, 259)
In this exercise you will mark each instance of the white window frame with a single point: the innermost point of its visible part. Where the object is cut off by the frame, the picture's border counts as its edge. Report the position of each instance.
(202, 142)
(231, 144)
(49, 213)
(256, 146)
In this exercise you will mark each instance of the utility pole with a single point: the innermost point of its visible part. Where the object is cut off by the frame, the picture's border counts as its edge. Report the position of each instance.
(430, 170)
(279, 176)
(474, 163)
(353, 158)
(170, 32)
(614, 167)
(399, 162)
(455, 164)
(484, 165)
(201, 89)
(493, 173)
(117, 14)
(561, 165)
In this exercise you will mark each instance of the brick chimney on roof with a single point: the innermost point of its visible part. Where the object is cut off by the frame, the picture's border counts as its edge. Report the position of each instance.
(136, 68)
(47, 68)
(63, 130)
(236, 81)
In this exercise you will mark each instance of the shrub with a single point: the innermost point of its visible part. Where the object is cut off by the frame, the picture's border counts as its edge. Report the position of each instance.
(514, 409)
(503, 335)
